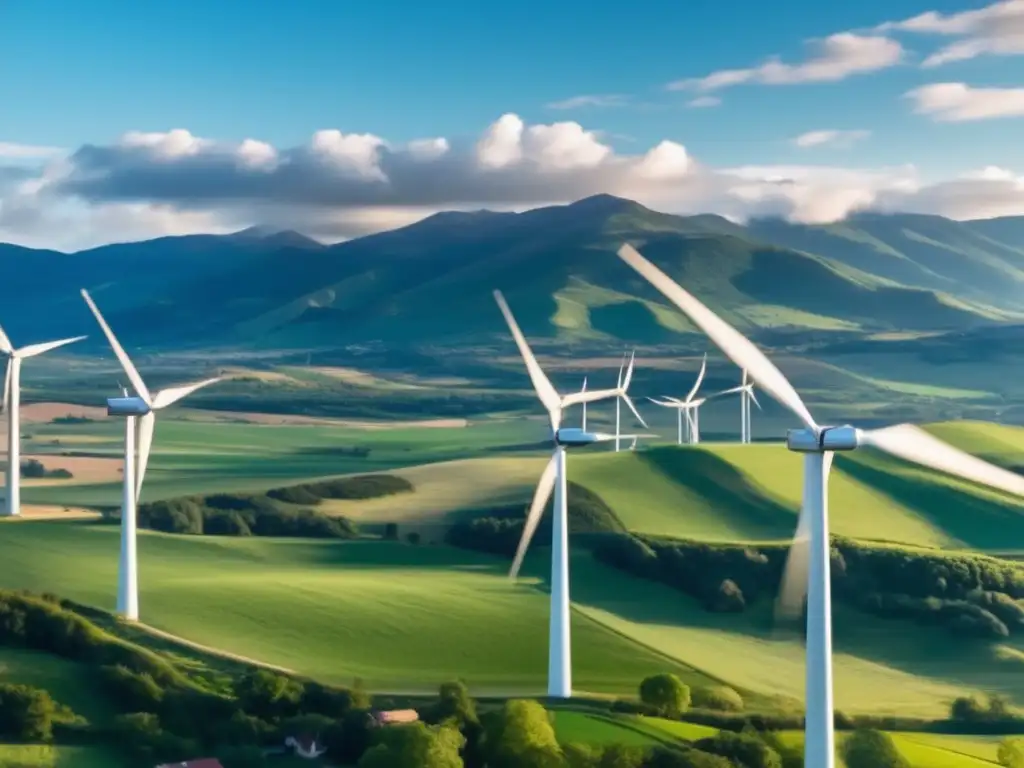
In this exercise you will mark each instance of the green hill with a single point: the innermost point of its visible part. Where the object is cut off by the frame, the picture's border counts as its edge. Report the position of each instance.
(555, 264)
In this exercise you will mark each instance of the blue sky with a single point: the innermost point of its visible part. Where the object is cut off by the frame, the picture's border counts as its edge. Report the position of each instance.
(86, 72)
(278, 71)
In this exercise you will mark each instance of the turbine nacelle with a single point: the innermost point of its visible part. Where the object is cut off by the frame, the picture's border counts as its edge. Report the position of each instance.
(127, 406)
(572, 437)
(845, 438)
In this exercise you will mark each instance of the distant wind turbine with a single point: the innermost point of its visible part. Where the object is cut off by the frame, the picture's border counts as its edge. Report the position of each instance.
(140, 421)
(746, 392)
(623, 387)
(687, 408)
(11, 403)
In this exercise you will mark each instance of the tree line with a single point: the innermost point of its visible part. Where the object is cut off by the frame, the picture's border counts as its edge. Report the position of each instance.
(271, 514)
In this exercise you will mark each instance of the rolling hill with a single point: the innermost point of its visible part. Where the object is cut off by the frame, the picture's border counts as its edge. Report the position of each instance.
(430, 282)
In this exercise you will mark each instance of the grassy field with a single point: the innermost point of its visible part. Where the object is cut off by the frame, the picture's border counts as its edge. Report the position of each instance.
(195, 457)
(403, 618)
(337, 610)
(922, 750)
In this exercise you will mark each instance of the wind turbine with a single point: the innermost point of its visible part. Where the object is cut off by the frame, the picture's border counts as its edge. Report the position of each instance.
(140, 421)
(11, 403)
(818, 443)
(553, 479)
(623, 387)
(681, 406)
(746, 391)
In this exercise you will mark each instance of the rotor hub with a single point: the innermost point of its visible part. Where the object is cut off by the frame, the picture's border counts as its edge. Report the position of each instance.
(844, 438)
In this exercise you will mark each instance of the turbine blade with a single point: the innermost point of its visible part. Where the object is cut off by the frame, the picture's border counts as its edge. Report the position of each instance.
(147, 423)
(629, 371)
(622, 367)
(584, 388)
(37, 349)
(700, 378)
(541, 385)
(662, 403)
(913, 444)
(576, 398)
(629, 402)
(5, 343)
(122, 356)
(171, 395)
(793, 589)
(754, 398)
(604, 437)
(733, 344)
(540, 499)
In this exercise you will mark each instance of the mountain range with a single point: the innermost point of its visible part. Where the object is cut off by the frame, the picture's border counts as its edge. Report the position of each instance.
(431, 282)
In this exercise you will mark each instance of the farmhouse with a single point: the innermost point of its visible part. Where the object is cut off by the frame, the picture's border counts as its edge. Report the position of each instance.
(203, 762)
(394, 716)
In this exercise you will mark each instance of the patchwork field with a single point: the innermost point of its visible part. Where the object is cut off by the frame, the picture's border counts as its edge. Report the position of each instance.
(341, 609)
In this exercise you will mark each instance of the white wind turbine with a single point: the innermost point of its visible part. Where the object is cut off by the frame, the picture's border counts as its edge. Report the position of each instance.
(11, 403)
(687, 407)
(140, 421)
(807, 567)
(553, 479)
(623, 387)
(746, 392)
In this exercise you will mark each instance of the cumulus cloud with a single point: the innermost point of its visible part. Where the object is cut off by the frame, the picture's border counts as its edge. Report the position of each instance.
(836, 57)
(959, 102)
(703, 102)
(830, 138)
(599, 100)
(996, 29)
(339, 185)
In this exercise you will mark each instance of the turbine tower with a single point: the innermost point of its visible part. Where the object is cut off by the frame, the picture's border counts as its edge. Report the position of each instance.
(11, 403)
(139, 413)
(817, 444)
(553, 478)
(746, 392)
(583, 426)
(684, 407)
(623, 387)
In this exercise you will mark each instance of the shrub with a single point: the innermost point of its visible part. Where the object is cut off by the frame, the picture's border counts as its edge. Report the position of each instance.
(666, 693)
(866, 748)
(745, 749)
(33, 469)
(295, 494)
(391, 531)
(413, 537)
(721, 698)
(360, 487)
(26, 713)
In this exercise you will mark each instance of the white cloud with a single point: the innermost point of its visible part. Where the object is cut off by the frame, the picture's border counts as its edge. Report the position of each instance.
(835, 58)
(959, 102)
(830, 138)
(996, 29)
(12, 151)
(704, 102)
(598, 100)
(339, 185)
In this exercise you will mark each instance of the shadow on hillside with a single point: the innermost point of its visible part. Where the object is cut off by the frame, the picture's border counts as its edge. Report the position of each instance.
(978, 522)
(385, 555)
(899, 645)
(741, 504)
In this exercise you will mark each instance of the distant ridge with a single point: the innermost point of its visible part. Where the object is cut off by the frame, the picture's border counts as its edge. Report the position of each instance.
(430, 282)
